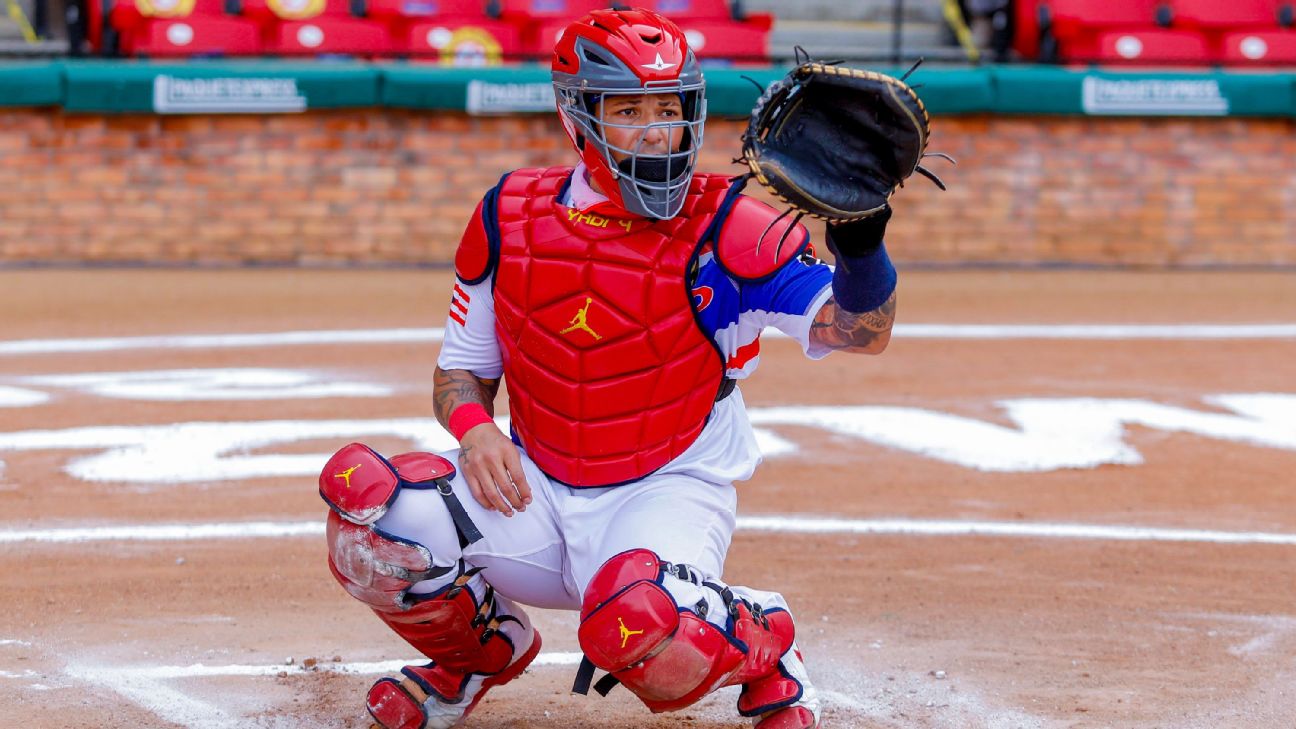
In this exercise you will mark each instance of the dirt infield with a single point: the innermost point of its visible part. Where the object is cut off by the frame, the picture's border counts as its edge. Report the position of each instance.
(1061, 499)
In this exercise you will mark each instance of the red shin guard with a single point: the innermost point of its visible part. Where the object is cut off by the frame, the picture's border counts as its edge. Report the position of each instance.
(796, 717)
(403, 704)
(772, 690)
(452, 628)
(469, 652)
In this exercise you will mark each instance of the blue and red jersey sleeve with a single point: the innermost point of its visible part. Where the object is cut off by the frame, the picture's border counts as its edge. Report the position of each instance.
(734, 314)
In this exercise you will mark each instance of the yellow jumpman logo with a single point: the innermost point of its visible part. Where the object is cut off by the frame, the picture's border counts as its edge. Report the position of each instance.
(626, 632)
(347, 474)
(578, 321)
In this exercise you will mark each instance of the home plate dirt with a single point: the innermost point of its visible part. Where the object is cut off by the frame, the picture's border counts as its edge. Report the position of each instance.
(1060, 499)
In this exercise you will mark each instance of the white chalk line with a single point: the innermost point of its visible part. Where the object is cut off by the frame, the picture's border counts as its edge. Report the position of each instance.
(221, 341)
(789, 524)
(199, 670)
(1036, 530)
(144, 685)
(1095, 331)
(164, 532)
(154, 695)
(436, 334)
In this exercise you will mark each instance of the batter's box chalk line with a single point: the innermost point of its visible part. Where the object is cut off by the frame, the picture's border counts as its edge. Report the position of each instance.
(437, 334)
(787, 524)
(147, 686)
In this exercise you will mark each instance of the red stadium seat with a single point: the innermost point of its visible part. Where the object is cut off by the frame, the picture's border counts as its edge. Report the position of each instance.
(1091, 14)
(1232, 14)
(181, 28)
(458, 32)
(678, 10)
(734, 41)
(1241, 31)
(712, 30)
(541, 22)
(1026, 20)
(313, 27)
(553, 9)
(466, 9)
(1259, 47)
(1153, 46)
(1070, 29)
(709, 25)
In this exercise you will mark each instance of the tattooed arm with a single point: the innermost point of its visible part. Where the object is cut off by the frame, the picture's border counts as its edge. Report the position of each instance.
(489, 461)
(452, 388)
(841, 330)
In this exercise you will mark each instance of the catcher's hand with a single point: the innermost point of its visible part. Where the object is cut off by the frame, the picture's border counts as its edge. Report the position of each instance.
(836, 142)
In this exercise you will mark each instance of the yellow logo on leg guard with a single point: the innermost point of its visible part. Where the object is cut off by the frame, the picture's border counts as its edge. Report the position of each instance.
(347, 474)
(626, 632)
(579, 323)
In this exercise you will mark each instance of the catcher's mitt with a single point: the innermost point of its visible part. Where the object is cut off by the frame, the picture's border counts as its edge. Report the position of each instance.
(836, 142)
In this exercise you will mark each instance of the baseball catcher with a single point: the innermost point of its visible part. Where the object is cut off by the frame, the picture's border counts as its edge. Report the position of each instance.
(622, 302)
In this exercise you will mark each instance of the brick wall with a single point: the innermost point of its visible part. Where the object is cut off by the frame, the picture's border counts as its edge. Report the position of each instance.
(383, 186)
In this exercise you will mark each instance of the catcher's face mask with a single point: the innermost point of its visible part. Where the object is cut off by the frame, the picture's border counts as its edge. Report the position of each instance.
(610, 55)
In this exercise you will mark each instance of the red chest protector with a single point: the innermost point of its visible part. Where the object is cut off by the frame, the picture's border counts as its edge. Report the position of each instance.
(609, 375)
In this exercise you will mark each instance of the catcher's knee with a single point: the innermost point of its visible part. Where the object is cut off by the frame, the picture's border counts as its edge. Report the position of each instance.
(448, 613)
(626, 613)
(372, 560)
(664, 648)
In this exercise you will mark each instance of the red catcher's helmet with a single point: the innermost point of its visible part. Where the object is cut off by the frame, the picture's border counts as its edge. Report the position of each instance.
(630, 52)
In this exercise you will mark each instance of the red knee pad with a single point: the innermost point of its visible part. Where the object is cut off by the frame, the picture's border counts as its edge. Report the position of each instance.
(695, 662)
(359, 484)
(626, 613)
(668, 656)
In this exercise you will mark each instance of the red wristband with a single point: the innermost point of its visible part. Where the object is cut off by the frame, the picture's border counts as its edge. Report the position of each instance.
(466, 417)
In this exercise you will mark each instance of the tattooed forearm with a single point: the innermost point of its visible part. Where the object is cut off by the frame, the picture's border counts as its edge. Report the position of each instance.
(842, 330)
(452, 388)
